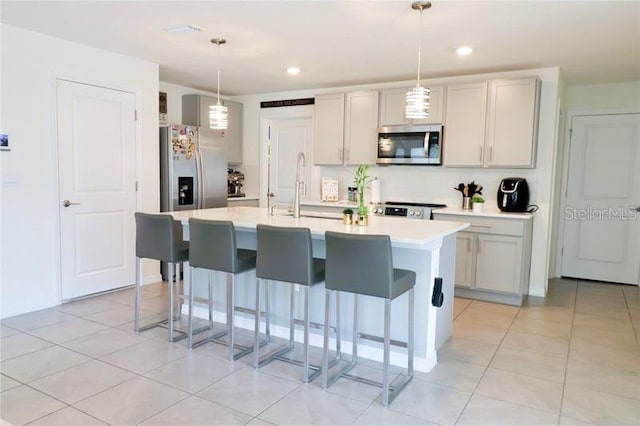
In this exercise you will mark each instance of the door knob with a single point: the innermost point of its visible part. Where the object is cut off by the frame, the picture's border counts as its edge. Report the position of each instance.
(67, 203)
(637, 209)
(271, 195)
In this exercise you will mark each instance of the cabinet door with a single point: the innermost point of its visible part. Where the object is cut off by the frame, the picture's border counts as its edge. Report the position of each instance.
(361, 124)
(499, 263)
(465, 122)
(436, 107)
(328, 126)
(234, 133)
(203, 112)
(464, 259)
(512, 123)
(393, 101)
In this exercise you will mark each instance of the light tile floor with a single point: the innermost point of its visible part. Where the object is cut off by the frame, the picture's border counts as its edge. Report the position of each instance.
(570, 359)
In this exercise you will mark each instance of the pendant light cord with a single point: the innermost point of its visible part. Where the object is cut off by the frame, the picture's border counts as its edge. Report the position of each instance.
(419, 50)
(218, 85)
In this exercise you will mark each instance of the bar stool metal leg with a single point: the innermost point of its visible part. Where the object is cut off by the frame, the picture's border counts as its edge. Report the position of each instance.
(387, 348)
(230, 316)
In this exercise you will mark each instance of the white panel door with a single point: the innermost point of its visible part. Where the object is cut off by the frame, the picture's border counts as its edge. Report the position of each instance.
(289, 137)
(96, 151)
(602, 214)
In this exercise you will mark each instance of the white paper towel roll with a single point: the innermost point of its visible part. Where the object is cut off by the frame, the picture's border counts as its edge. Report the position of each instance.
(375, 190)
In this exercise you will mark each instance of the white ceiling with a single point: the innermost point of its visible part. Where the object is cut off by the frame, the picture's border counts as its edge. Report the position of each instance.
(339, 43)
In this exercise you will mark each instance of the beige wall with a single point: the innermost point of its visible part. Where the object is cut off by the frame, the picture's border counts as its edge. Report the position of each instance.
(603, 96)
(31, 62)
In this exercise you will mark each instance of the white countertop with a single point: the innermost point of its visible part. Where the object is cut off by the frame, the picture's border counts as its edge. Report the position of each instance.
(337, 204)
(241, 198)
(416, 233)
(486, 212)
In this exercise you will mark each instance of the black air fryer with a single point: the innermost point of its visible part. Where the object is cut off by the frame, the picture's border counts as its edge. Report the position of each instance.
(513, 195)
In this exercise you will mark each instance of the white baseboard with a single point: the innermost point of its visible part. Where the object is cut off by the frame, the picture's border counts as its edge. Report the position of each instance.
(398, 359)
(152, 279)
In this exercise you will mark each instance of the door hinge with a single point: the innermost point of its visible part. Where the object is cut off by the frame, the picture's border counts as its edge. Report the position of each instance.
(562, 251)
(136, 186)
(570, 133)
(135, 115)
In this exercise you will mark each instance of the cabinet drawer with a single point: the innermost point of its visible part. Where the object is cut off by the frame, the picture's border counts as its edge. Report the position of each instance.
(487, 225)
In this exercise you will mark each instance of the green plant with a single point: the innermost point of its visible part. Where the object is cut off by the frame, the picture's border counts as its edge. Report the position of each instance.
(361, 179)
(477, 198)
(347, 211)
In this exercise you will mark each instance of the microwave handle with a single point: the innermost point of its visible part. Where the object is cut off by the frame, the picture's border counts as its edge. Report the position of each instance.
(427, 136)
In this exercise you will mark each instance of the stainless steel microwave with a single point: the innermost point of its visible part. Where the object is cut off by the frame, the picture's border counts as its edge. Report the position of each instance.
(418, 144)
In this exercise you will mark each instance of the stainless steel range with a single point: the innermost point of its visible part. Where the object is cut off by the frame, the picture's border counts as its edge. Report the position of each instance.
(406, 209)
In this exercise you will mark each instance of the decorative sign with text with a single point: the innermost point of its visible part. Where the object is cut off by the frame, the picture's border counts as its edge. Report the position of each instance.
(287, 103)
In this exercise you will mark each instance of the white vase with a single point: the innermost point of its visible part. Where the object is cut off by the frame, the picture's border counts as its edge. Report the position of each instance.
(477, 207)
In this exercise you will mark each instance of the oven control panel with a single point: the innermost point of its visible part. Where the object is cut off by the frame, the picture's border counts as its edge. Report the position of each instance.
(399, 211)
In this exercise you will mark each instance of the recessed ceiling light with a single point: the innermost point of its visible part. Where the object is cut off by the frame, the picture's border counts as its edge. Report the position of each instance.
(464, 50)
(182, 28)
(293, 70)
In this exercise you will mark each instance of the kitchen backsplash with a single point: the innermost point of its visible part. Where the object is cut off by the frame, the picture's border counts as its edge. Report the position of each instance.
(427, 184)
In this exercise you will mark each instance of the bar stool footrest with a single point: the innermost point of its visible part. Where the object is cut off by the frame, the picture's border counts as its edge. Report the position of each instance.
(395, 387)
(213, 339)
(277, 352)
(342, 371)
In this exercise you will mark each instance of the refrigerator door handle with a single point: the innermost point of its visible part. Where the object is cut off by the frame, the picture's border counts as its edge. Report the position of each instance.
(199, 178)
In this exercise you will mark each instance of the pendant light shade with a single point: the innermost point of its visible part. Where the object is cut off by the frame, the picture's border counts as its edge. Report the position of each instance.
(218, 114)
(418, 97)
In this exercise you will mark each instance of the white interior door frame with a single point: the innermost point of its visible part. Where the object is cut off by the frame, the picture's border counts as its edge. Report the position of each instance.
(266, 115)
(53, 124)
(571, 114)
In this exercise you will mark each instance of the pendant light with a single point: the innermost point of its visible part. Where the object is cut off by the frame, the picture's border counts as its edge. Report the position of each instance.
(218, 114)
(418, 97)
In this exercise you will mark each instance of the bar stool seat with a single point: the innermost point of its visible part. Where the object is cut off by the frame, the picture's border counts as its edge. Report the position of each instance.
(363, 265)
(158, 237)
(213, 247)
(285, 254)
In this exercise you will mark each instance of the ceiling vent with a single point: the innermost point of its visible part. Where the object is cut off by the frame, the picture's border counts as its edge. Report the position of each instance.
(182, 29)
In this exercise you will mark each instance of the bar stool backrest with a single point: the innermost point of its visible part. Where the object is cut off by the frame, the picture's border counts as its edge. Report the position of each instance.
(157, 237)
(213, 245)
(360, 264)
(285, 254)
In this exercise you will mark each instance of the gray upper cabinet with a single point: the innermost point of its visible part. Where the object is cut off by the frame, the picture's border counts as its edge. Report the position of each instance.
(234, 132)
(392, 103)
(195, 112)
(492, 123)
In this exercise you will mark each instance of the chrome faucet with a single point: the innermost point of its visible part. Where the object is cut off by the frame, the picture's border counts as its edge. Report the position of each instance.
(300, 185)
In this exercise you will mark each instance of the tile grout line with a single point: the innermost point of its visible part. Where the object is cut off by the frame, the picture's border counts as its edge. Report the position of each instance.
(566, 365)
(487, 366)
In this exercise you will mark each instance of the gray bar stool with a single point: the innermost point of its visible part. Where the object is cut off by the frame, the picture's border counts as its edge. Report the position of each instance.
(214, 247)
(157, 238)
(286, 254)
(363, 265)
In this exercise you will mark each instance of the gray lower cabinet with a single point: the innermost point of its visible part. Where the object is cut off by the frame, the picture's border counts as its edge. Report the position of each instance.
(493, 257)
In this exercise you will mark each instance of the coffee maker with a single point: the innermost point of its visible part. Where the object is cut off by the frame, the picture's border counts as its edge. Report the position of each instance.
(235, 182)
(513, 195)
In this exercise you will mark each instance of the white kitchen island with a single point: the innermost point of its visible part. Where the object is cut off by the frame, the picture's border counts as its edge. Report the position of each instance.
(426, 247)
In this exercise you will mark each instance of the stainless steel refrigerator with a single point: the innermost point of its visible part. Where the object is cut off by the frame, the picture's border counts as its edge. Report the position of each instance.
(193, 168)
(193, 171)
